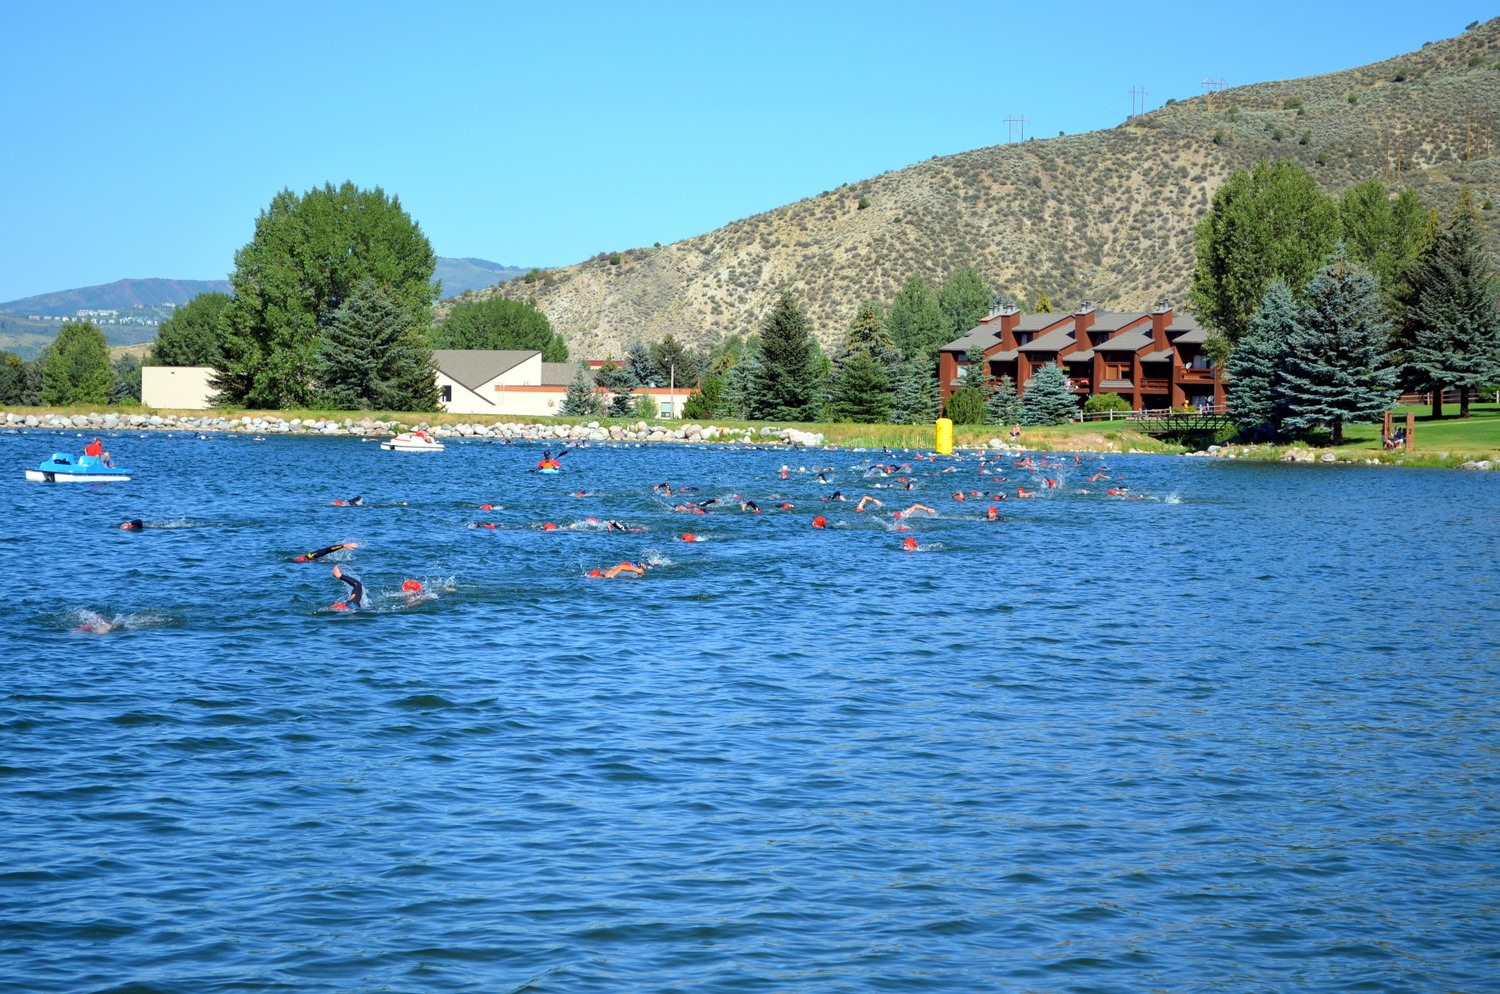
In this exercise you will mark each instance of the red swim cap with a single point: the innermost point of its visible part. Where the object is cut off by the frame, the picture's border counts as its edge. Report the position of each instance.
(549, 527)
(489, 524)
(689, 537)
(486, 507)
(909, 543)
(338, 503)
(820, 522)
(341, 607)
(596, 572)
(411, 586)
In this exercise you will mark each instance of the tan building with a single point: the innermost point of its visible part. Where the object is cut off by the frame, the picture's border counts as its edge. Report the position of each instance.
(492, 382)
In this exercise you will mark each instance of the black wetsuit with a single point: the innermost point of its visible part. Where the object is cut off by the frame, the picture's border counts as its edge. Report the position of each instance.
(356, 590)
(308, 557)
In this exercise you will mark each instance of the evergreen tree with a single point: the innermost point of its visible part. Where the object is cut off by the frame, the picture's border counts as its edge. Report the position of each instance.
(1270, 221)
(581, 399)
(192, 336)
(621, 386)
(499, 323)
(965, 300)
(867, 334)
(373, 356)
(1332, 372)
(861, 390)
(674, 363)
(1453, 321)
(1003, 406)
(638, 363)
(916, 322)
(1048, 400)
(36, 373)
(77, 366)
(306, 256)
(125, 381)
(12, 378)
(739, 385)
(784, 385)
(916, 400)
(1254, 390)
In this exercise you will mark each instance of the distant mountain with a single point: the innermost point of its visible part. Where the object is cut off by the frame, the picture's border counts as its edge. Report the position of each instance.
(462, 275)
(129, 311)
(1106, 216)
(121, 295)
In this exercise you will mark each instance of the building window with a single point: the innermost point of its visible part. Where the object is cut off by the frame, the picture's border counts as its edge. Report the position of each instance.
(445, 393)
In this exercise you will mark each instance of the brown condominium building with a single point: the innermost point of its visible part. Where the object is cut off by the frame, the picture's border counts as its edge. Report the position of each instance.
(1153, 360)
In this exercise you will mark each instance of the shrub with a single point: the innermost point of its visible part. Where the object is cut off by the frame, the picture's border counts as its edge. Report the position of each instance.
(965, 407)
(863, 203)
(646, 407)
(1101, 402)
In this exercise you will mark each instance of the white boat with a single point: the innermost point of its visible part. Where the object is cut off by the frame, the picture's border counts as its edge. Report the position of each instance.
(64, 468)
(412, 441)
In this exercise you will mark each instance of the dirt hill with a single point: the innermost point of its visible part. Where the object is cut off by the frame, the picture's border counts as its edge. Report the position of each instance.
(1106, 216)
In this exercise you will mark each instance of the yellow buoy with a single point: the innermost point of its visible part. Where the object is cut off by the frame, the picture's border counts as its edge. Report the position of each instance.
(944, 437)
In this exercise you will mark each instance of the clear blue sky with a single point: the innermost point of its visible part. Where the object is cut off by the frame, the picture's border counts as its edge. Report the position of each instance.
(142, 139)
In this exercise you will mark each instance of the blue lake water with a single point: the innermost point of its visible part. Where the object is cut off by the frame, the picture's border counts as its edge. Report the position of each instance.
(1238, 732)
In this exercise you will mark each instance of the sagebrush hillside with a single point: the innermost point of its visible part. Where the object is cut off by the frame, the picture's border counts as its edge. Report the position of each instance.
(1106, 216)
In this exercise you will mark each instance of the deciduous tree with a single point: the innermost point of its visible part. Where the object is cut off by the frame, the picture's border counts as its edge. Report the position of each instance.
(965, 299)
(499, 323)
(1270, 221)
(306, 256)
(193, 335)
(76, 369)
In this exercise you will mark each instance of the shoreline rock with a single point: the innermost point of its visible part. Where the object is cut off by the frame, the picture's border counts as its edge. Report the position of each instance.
(366, 427)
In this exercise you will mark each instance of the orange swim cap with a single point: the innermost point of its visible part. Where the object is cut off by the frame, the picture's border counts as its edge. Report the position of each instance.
(341, 607)
(411, 586)
(489, 524)
(909, 543)
(689, 537)
(820, 522)
(596, 572)
(549, 527)
(486, 507)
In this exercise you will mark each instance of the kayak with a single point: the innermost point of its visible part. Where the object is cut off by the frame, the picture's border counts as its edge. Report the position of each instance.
(549, 469)
(64, 468)
(412, 441)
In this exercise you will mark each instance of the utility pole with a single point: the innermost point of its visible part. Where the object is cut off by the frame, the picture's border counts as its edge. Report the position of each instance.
(1137, 91)
(1010, 127)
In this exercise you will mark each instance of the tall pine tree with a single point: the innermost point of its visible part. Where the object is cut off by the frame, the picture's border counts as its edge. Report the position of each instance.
(1003, 406)
(916, 400)
(1254, 390)
(1332, 373)
(581, 399)
(373, 356)
(1049, 400)
(1453, 323)
(784, 384)
(916, 321)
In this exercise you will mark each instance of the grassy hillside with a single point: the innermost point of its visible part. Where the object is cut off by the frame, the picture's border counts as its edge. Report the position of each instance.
(1106, 216)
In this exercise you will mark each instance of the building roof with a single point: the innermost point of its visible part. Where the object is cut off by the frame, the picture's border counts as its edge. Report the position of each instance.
(1036, 322)
(560, 374)
(1083, 356)
(1186, 329)
(1165, 355)
(1005, 356)
(1053, 341)
(1130, 341)
(981, 337)
(475, 367)
(1113, 320)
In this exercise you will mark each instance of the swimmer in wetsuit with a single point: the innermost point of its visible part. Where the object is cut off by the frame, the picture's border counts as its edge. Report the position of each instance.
(308, 557)
(356, 591)
(133, 525)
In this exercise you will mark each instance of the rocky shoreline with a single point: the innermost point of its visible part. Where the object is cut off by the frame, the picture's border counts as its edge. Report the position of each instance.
(593, 431)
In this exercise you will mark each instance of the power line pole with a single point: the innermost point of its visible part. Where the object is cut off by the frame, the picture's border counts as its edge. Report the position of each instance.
(1010, 127)
(1137, 92)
